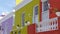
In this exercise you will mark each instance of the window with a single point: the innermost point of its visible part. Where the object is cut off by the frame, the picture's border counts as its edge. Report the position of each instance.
(45, 6)
(23, 15)
(6, 28)
(45, 11)
(15, 32)
(36, 10)
(0, 27)
(35, 14)
(11, 32)
(18, 32)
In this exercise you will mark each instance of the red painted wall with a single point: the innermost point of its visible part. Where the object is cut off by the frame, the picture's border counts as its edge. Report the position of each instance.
(54, 4)
(32, 29)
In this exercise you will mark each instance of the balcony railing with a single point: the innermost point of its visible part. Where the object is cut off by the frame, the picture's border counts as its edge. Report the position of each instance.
(48, 25)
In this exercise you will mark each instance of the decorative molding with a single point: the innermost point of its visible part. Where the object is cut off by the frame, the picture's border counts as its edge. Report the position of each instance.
(22, 4)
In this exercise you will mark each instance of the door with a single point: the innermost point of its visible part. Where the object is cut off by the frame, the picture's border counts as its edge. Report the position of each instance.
(45, 10)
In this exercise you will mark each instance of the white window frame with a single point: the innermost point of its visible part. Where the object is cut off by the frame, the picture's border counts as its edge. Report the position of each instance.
(34, 13)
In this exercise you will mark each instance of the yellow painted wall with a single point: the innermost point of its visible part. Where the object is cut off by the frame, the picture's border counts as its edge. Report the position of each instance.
(28, 9)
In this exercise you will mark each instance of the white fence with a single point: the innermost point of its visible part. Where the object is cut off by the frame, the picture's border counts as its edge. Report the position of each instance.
(48, 25)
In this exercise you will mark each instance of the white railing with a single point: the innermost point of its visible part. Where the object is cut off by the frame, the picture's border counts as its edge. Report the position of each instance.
(48, 25)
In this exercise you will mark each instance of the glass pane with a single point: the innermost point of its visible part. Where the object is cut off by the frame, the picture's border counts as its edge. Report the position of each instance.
(23, 14)
(36, 10)
(0, 27)
(45, 7)
(18, 32)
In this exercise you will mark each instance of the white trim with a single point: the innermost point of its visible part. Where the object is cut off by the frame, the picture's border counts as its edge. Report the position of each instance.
(6, 17)
(22, 4)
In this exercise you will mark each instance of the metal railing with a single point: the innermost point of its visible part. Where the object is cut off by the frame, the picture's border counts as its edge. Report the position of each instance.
(48, 25)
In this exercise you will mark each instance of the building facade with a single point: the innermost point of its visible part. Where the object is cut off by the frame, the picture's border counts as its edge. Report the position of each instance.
(27, 12)
(6, 24)
(50, 21)
(37, 17)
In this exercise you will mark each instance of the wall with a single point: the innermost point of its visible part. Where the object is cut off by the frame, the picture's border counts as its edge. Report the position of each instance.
(32, 29)
(28, 9)
(8, 24)
(54, 4)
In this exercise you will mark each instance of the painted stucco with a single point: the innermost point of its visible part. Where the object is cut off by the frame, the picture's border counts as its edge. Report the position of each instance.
(7, 25)
(28, 10)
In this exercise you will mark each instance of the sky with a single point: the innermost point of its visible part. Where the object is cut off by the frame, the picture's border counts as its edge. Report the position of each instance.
(7, 6)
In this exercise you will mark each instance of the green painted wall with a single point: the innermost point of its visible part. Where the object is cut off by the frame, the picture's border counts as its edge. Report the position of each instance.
(28, 9)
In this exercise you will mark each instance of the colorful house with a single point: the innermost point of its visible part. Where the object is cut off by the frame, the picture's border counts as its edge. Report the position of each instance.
(50, 22)
(6, 24)
(27, 13)
(37, 17)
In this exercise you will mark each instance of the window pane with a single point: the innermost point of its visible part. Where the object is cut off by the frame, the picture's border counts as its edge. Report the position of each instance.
(45, 7)
(0, 27)
(36, 10)
(23, 14)
(15, 32)
(18, 32)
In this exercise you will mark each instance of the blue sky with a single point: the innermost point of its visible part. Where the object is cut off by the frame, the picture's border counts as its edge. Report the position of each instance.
(6, 5)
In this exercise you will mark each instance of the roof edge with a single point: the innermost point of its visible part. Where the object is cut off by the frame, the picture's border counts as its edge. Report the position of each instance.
(6, 17)
(22, 4)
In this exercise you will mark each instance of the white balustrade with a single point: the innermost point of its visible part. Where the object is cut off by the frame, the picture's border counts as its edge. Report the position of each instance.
(48, 25)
